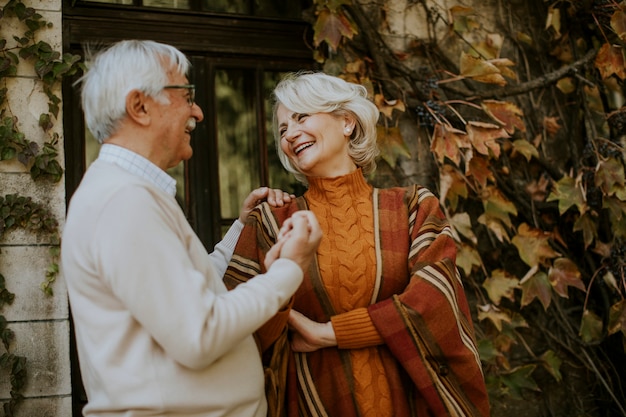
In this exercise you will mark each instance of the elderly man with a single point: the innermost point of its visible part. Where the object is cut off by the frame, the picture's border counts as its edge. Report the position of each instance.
(157, 332)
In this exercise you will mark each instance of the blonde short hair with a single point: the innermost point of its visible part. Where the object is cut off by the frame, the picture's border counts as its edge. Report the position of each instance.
(316, 92)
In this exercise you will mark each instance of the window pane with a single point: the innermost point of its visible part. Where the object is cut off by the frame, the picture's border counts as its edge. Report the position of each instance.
(112, 1)
(227, 6)
(237, 140)
(171, 4)
(278, 175)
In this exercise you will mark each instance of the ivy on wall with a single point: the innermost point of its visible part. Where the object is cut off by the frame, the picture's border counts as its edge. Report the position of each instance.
(18, 211)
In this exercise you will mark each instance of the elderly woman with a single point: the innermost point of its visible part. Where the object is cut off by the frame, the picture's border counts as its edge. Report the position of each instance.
(380, 326)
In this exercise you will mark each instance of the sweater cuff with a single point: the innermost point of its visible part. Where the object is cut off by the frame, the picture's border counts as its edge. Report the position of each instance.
(355, 330)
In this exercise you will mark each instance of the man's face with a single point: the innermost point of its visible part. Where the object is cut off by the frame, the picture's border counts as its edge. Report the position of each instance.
(175, 122)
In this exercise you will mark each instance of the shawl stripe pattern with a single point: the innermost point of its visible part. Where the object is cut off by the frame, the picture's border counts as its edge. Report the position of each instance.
(419, 308)
(428, 326)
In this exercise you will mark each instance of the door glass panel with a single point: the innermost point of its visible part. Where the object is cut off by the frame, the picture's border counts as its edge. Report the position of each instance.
(237, 138)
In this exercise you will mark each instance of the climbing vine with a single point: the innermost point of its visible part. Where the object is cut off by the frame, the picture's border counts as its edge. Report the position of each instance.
(18, 211)
(524, 129)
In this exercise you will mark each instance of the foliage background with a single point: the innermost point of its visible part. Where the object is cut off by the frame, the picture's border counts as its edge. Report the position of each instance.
(513, 113)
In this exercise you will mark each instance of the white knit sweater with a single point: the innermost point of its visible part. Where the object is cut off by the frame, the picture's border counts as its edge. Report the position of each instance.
(157, 332)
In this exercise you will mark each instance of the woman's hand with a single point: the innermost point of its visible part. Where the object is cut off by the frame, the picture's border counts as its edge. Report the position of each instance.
(309, 335)
(274, 197)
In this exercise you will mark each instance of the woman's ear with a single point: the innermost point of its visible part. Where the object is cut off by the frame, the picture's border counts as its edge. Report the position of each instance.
(137, 107)
(348, 125)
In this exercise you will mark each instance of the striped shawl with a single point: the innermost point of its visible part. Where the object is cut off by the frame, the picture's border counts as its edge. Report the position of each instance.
(419, 308)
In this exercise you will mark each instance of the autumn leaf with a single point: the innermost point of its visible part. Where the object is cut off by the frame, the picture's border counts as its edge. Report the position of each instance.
(480, 70)
(484, 136)
(487, 351)
(617, 318)
(533, 245)
(500, 284)
(537, 286)
(538, 189)
(506, 113)
(587, 225)
(493, 314)
(567, 85)
(462, 223)
(451, 185)
(497, 205)
(590, 327)
(551, 125)
(618, 23)
(563, 274)
(524, 147)
(616, 208)
(467, 258)
(391, 144)
(568, 193)
(609, 175)
(495, 226)
(490, 47)
(478, 168)
(331, 26)
(553, 21)
(552, 363)
(448, 142)
(610, 60)
(387, 107)
(463, 19)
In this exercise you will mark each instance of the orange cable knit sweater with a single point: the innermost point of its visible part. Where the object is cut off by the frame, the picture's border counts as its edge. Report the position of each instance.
(347, 264)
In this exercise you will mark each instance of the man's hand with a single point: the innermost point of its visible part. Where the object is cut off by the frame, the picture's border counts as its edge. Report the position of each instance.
(274, 197)
(298, 240)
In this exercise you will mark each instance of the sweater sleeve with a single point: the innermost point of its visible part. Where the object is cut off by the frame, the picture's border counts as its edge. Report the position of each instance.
(223, 251)
(355, 330)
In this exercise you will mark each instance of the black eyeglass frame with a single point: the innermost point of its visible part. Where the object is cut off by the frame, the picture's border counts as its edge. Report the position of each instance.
(190, 87)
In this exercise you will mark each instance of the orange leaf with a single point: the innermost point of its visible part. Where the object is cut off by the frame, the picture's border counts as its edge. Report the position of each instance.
(483, 137)
(391, 144)
(563, 274)
(551, 124)
(610, 60)
(505, 113)
(538, 287)
(533, 245)
(331, 27)
(618, 23)
(447, 142)
(478, 168)
(451, 186)
(386, 107)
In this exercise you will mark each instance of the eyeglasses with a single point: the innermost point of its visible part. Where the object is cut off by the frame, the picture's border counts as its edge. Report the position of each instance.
(189, 87)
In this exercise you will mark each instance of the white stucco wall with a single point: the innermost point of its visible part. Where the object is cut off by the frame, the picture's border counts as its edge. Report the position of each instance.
(40, 322)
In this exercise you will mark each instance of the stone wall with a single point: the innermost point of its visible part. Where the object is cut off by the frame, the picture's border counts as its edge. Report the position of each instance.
(40, 322)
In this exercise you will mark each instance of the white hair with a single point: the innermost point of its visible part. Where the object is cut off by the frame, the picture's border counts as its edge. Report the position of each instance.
(117, 70)
(316, 92)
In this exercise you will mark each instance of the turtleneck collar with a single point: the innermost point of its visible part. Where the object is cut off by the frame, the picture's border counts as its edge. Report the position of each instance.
(350, 184)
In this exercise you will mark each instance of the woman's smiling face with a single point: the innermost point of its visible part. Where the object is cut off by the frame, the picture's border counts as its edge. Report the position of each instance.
(316, 143)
